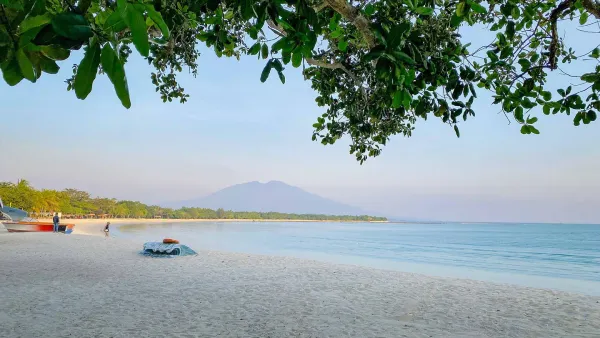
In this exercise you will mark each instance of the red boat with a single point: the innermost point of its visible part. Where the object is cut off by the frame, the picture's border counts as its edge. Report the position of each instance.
(31, 226)
(16, 220)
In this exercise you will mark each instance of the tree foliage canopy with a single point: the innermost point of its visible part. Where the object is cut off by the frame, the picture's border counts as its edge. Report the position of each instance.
(77, 203)
(378, 66)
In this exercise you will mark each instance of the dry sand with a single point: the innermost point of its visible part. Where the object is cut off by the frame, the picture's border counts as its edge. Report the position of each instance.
(55, 285)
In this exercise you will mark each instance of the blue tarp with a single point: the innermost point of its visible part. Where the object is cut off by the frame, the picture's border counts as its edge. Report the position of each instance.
(161, 249)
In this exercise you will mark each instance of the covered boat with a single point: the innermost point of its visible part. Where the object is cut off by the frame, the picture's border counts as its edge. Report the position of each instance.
(166, 249)
(17, 220)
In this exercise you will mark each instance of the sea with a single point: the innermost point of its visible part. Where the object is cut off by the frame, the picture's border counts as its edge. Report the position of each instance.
(562, 257)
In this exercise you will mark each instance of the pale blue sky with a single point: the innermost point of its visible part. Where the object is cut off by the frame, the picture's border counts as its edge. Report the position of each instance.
(235, 129)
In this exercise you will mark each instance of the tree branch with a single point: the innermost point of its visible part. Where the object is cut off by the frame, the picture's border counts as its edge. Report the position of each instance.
(554, 15)
(319, 7)
(353, 15)
(592, 6)
(317, 63)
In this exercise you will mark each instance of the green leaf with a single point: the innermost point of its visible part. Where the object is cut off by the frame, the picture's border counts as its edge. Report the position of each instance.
(48, 66)
(547, 95)
(18, 5)
(297, 59)
(532, 129)
(525, 129)
(374, 54)
(277, 65)
(246, 9)
(286, 57)
(493, 57)
(5, 39)
(510, 30)
(113, 67)
(342, 45)
(336, 33)
(590, 77)
(461, 9)
(546, 109)
(406, 99)
(255, 49)
(420, 109)
(397, 32)
(397, 101)
(135, 21)
(526, 103)
(525, 64)
(281, 77)
(369, 9)
(265, 51)
(34, 22)
(591, 115)
(87, 70)
(26, 37)
(455, 21)
(55, 52)
(253, 32)
(4, 51)
(516, 13)
(528, 85)
(577, 119)
(158, 20)
(519, 114)
(456, 131)
(25, 66)
(116, 21)
(476, 7)
(279, 44)
(72, 26)
(583, 18)
(532, 120)
(404, 57)
(266, 71)
(11, 73)
(506, 52)
(424, 10)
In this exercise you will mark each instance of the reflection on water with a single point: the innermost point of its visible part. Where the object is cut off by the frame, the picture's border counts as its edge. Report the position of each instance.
(544, 255)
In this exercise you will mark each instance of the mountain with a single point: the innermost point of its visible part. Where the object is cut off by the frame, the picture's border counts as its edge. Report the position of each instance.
(272, 196)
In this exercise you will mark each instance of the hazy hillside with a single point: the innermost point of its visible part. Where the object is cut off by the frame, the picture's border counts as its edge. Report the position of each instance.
(271, 196)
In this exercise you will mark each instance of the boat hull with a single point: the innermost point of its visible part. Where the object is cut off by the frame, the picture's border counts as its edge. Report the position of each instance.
(37, 227)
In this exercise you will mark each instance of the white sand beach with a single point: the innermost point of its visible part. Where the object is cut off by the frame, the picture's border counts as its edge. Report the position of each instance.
(55, 285)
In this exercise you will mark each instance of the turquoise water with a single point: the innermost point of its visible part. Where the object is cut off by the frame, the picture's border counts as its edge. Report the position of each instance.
(556, 256)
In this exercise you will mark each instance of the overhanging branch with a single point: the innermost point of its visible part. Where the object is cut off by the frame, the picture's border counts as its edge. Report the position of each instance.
(554, 16)
(592, 6)
(277, 29)
(353, 15)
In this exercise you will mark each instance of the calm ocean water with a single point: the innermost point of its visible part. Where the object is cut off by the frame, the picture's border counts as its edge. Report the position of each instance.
(557, 256)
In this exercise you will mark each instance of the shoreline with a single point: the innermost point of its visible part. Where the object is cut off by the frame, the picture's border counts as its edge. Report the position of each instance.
(197, 220)
(108, 289)
(94, 226)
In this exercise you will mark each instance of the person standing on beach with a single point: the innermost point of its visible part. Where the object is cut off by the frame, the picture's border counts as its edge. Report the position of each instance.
(107, 229)
(56, 221)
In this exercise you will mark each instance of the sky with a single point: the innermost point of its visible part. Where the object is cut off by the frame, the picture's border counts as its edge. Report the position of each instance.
(235, 129)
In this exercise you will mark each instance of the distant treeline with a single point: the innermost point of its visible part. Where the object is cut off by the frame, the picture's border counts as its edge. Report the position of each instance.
(74, 203)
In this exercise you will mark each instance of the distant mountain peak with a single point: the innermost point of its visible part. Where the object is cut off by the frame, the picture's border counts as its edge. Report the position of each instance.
(276, 196)
(278, 182)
